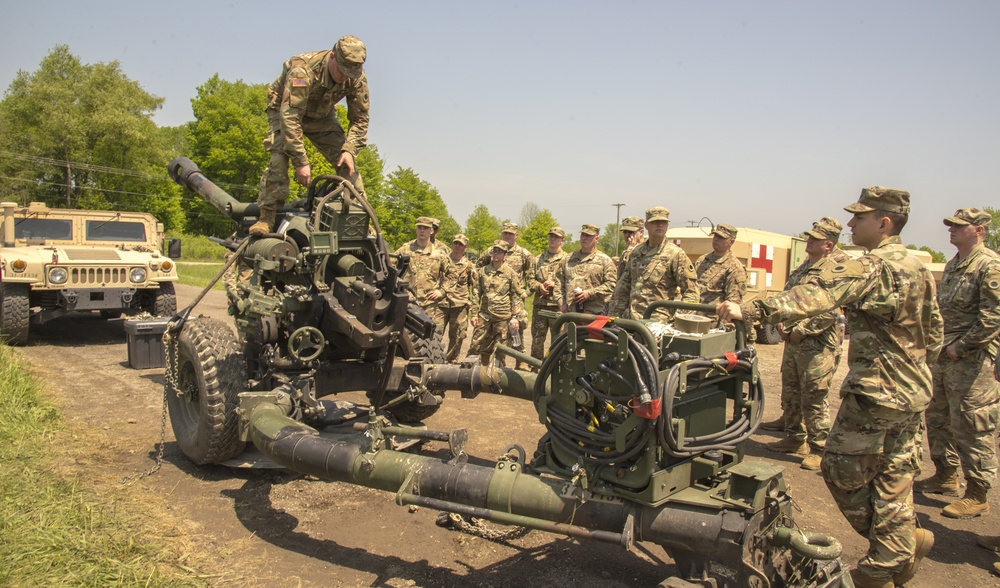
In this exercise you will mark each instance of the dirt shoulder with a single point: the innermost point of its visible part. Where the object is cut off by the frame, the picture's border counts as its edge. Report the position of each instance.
(263, 526)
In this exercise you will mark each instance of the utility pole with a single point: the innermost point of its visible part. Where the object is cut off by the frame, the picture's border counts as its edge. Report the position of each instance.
(618, 232)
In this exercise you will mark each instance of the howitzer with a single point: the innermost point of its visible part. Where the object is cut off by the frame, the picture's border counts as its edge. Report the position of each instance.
(644, 426)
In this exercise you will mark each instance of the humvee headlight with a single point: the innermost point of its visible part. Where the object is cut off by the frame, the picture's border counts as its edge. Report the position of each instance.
(19, 265)
(138, 274)
(58, 275)
(166, 265)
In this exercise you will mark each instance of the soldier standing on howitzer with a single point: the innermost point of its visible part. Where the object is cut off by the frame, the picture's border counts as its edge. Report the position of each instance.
(301, 102)
(497, 300)
(657, 270)
(426, 273)
(632, 234)
(811, 356)
(585, 280)
(455, 306)
(522, 262)
(963, 414)
(543, 284)
(873, 451)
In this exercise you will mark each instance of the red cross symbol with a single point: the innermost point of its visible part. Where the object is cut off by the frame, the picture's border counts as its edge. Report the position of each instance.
(677, 242)
(762, 256)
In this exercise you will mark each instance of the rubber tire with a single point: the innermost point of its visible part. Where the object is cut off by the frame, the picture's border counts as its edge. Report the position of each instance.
(209, 373)
(163, 301)
(14, 313)
(433, 349)
(768, 334)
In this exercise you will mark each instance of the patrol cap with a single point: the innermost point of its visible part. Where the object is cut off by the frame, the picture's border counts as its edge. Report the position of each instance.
(657, 213)
(632, 223)
(880, 198)
(460, 238)
(501, 245)
(510, 228)
(969, 216)
(724, 231)
(350, 53)
(590, 230)
(435, 222)
(826, 228)
(557, 231)
(425, 221)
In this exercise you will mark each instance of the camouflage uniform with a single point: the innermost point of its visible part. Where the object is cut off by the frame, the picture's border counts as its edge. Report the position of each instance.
(873, 451)
(807, 367)
(721, 278)
(497, 297)
(301, 103)
(963, 415)
(455, 307)
(630, 223)
(426, 275)
(593, 273)
(654, 273)
(520, 260)
(546, 266)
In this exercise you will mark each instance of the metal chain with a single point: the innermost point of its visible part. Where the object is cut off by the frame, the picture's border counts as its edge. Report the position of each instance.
(480, 528)
(170, 374)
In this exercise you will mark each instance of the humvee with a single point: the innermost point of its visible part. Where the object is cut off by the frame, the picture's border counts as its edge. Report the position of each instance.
(55, 261)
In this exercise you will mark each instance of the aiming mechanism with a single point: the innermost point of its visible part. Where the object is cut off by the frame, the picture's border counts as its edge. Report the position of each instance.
(644, 423)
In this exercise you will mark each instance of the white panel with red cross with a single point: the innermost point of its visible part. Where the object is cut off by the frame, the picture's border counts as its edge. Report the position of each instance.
(762, 256)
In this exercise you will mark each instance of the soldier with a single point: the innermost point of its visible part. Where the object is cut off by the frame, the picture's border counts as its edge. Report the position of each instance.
(657, 270)
(874, 448)
(585, 280)
(720, 275)
(301, 102)
(498, 301)
(455, 306)
(426, 273)
(812, 348)
(632, 233)
(543, 285)
(435, 224)
(522, 262)
(963, 414)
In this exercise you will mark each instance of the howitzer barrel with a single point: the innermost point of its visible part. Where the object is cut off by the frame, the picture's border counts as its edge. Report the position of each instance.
(186, 173)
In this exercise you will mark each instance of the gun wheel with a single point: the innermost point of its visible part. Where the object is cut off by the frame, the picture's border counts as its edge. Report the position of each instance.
(412, 411)
(207, 370)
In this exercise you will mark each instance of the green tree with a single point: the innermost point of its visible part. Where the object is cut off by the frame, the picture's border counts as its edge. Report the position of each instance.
(405, 198)
(82, 136)
(936, 256)
(535, 235)
(993, 230)
(609, 239)
(482, 228)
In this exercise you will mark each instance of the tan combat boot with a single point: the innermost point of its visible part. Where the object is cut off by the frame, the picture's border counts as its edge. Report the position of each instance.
(777, 424)
(863, 581)
(973, 505)
(264, 224)
(790, 445)
(924, 540)
(944, 481)
(812, 461)
(991, 543)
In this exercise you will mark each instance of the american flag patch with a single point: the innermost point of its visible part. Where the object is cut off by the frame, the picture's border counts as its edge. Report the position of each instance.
(299, 82)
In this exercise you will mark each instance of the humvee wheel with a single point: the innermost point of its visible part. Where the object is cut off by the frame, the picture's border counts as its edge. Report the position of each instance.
(768, 334)
(208, 371)
(163, 302)
(14, 313)
(412, 411)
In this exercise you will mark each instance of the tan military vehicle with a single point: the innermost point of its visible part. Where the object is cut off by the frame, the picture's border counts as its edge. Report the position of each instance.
(55, 261)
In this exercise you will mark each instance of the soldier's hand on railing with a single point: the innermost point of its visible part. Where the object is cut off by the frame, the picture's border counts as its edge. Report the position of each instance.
(729, 311)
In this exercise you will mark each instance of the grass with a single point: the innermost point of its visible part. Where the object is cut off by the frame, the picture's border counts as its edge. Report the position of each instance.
(199, 274)
(58, 528)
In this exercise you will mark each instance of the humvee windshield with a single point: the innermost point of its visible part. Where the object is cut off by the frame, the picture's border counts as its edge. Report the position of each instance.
(43, 228)
(114, 230)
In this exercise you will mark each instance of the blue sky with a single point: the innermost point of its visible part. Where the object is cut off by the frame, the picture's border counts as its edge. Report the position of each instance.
(761, 114)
